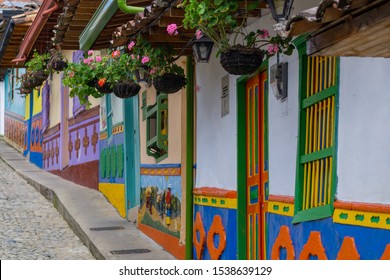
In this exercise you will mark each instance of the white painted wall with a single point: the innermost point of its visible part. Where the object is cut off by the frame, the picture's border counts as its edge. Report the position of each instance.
(364, 130)
(216, 137)
(283, 132)
(2, 94)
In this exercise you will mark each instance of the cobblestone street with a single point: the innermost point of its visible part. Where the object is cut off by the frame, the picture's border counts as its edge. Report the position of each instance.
(30, 226)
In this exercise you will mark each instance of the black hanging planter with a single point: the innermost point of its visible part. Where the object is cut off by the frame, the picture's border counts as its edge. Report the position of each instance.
(169, 83)
(126, 89)
(38, 77)
(241, 61)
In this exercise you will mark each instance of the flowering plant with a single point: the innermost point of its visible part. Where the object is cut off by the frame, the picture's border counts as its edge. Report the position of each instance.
(81, 77)
(160, 60)
(38, 62)
(219, 20)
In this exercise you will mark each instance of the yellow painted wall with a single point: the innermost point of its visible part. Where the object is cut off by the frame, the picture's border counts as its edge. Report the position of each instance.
(115, 194)
(37, 104)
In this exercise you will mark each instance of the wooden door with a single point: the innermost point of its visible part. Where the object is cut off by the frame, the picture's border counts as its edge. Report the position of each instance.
(256, 171)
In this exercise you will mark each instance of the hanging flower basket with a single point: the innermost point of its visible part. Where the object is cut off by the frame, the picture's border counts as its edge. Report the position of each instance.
(126, 89)
(242, 61)
(92, 82)
(38, 77)
(169, 83)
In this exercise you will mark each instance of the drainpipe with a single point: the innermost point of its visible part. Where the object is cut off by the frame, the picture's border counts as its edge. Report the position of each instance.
(129, 9)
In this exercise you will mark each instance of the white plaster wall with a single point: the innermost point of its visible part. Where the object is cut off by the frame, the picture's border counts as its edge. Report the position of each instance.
(364, 131)
(55, 100)
(2, 94)
(216, 137)
(283, 132)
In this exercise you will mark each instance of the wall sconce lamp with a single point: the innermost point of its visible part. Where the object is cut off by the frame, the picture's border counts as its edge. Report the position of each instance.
(202, 49)
(142, 74)
(278, 79)
(280, 9)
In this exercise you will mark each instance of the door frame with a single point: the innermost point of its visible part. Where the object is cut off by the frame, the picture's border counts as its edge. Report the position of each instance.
(241, 160)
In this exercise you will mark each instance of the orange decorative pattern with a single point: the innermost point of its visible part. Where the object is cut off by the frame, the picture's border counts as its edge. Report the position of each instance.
(358, 206)
(283, 241)
(348, 250)
(216, 228)
(161, 171)
(313, 247)
(281, 198)
(118, 129)
(386, 253)
(210, 191)
(199, 244)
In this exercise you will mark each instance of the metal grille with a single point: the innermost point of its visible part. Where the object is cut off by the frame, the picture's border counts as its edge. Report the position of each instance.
(106, 228)
(130, 251)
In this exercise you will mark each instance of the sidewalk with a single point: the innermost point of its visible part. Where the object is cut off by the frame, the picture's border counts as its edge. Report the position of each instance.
(111, 237)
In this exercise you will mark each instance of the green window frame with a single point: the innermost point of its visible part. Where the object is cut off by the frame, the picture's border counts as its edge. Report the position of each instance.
(317, 147)
(157, 128)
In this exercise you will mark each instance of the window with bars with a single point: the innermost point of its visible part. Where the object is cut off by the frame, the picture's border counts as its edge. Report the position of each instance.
(316, 168)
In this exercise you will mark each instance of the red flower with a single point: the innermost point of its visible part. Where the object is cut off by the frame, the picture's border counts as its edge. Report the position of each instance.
(101, 82)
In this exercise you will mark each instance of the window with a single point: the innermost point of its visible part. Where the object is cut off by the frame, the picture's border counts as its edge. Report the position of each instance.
(316, 169)
(157, 128)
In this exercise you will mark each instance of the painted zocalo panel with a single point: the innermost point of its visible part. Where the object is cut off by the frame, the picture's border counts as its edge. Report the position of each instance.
(363, 140)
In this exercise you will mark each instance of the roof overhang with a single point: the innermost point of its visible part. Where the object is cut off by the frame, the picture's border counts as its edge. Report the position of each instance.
(14, 30)
(364, 33)
(101, 17)
(47, 8)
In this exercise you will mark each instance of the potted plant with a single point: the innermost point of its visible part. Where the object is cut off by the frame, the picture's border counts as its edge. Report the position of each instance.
(241, 52)
(37, 68)
(120, 74)
(82, 77)
(27, 83)
(57, 62)
(168, 77)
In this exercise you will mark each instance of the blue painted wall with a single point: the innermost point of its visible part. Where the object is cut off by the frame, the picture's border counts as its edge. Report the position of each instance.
(370, 242)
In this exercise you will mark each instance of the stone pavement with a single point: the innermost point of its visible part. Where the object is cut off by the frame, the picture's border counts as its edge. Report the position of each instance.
(88, 213)
(30, 227)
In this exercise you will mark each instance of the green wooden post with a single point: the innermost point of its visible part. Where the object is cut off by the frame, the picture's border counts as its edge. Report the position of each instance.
(189, 156)
(241, 169)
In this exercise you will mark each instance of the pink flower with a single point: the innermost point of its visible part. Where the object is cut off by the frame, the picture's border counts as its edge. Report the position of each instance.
(98, 58)
(152, 71)
(86, 60)
(71, 74)
(172, 29)
(264, 33)
(198, 34)
(90, 52)
(145, 59)
(272, 49)
(131, 45)
(132, 56)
